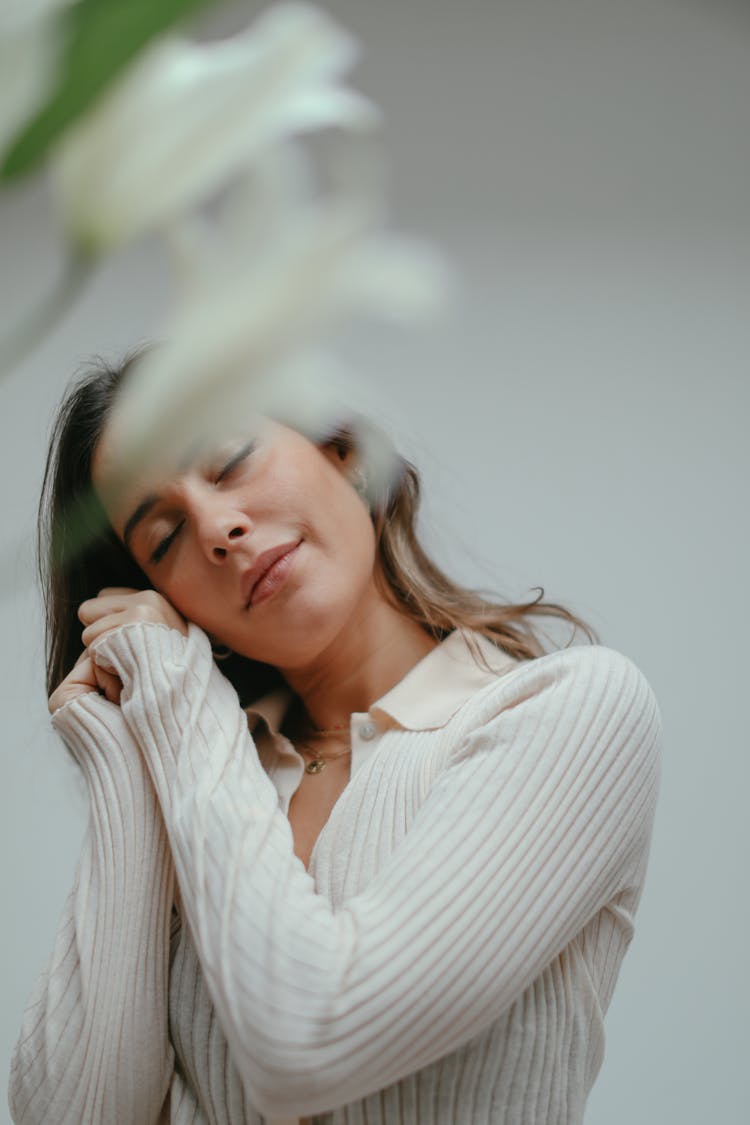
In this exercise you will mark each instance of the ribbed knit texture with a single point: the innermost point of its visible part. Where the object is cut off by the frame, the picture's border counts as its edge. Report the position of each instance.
(448, 958)
(81, 1056)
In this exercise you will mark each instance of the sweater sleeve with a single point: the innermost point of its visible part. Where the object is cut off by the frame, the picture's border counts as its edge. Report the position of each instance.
(94, 1045)
(542, 817)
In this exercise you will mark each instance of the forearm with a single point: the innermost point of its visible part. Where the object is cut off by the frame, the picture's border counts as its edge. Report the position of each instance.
(94, 1044)
(529, 832)
(248, 899)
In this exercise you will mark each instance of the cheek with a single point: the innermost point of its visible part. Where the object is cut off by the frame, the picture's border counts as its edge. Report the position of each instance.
(365, 550)
(349, 516)
(350, 543)
(189, 593)
(334, 575)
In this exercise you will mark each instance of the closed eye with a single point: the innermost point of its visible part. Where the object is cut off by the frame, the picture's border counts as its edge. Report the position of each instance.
(160, 551)
(238, 457)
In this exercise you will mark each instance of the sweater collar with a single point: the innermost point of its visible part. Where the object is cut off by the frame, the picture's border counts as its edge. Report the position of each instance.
(427, 696)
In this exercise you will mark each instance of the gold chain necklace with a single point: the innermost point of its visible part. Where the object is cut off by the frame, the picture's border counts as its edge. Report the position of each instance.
(318, 763)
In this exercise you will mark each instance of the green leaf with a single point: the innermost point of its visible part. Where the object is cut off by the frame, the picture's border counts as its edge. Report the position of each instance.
(101, 37)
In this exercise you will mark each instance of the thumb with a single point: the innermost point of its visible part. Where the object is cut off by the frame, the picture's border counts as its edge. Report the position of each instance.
(109, 682)
(101, 660)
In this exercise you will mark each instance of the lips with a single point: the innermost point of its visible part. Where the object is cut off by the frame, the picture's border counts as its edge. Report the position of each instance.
(262, 565)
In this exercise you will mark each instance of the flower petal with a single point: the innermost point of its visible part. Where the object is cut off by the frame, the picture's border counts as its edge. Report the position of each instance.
(251, 331)
(185, 117)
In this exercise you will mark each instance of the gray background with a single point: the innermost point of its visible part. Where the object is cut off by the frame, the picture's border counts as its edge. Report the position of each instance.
(580, 419)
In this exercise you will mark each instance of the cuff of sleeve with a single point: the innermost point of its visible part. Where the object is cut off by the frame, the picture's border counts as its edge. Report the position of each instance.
(173, 694)
(95, 732)
(123, 650)
(121, 792)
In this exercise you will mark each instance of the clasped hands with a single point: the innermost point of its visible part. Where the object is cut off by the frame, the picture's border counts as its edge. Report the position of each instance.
(113, 607)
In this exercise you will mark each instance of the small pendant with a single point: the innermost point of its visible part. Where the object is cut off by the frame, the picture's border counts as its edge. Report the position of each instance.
(315, 766)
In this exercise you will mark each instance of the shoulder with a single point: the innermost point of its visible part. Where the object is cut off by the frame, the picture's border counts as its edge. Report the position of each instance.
(586, 693)
(593, 672)
(604, 680)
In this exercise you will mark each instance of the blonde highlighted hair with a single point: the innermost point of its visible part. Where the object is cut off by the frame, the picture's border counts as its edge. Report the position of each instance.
(416, 585)
(72, 571)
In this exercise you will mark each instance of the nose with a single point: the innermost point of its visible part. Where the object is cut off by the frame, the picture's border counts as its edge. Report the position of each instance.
(222, 531)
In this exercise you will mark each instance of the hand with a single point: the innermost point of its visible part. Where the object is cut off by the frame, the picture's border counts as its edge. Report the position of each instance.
(119, 605)
(85, 677)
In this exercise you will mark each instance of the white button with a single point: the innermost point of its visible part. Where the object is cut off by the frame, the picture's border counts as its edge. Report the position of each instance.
(367, 731)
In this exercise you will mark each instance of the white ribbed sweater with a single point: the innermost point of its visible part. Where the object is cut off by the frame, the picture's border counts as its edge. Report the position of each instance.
(447, 959)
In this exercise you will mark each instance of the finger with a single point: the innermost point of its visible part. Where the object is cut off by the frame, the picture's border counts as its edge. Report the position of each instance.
(101, 660)
(109, 599)
(99, 628)
(109, 683)
(90, 610)
(81, 674)
(80, 680)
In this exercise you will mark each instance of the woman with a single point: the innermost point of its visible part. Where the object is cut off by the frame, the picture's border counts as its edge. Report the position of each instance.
(398, 887)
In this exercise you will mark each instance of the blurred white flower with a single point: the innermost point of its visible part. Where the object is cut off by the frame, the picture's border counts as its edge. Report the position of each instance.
(252, 334)
(30, 46)
(186, 117)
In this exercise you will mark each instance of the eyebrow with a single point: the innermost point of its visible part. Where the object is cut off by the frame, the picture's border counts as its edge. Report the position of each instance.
(143, 508)
(148, 502)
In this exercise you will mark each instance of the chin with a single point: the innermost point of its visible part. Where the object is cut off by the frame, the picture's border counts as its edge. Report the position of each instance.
(306, 630)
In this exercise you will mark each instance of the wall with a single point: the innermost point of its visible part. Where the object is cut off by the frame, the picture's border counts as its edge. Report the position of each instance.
(580, 419)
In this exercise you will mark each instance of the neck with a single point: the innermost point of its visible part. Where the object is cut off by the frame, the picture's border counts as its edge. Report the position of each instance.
(368, 657)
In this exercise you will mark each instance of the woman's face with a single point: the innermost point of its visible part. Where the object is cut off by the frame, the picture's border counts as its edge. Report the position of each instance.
(265, 544)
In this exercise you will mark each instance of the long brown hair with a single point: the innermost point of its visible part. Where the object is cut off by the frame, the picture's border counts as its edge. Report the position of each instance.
(79, 553)
(415, 584)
